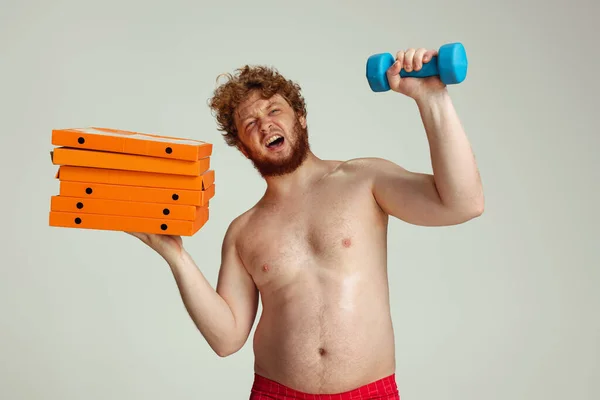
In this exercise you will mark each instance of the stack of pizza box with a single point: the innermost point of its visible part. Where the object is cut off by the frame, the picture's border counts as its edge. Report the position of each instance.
(128, 181)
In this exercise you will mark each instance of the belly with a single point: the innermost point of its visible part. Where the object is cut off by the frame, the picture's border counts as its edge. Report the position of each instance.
(326, 331)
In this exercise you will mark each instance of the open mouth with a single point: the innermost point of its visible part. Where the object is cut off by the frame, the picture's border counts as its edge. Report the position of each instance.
(275, 141)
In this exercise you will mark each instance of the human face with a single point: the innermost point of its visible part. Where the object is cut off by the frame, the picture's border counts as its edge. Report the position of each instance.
(271, 135)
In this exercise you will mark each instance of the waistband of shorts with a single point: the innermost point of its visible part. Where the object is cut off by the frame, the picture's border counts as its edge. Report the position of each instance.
(382, 387)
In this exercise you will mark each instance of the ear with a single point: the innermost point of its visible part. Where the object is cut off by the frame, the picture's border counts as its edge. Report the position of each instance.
(302, 120)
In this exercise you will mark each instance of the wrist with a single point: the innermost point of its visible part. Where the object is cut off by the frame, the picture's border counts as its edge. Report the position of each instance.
(434, 103)
(177, 259)
(432, 97)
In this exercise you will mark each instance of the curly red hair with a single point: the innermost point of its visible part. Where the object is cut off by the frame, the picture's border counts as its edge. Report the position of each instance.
(266, 80)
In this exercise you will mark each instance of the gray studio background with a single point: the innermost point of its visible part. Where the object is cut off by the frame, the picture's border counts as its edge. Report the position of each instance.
(505, 306)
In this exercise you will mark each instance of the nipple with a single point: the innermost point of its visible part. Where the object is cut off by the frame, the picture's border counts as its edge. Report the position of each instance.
(265, 268)
(346, 242)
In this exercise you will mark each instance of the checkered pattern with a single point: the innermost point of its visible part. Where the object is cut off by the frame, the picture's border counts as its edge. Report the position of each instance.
(383, 389)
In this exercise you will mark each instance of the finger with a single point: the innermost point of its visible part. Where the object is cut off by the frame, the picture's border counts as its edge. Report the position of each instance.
(408, 59)
(400, 60)
(418, 59)
(393, 73)
(429, 54)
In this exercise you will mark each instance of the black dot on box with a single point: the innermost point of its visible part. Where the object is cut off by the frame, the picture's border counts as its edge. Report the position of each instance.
(77, 220)
(166, 211)
(80, 205)
(175, 196)
(164, 227)
(81, 140)
(89, 190)
(168, 150)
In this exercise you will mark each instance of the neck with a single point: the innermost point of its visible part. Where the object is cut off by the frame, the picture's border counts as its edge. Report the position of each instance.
(281, 186)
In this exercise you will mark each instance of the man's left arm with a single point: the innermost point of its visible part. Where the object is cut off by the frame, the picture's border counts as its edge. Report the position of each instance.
(453, 194)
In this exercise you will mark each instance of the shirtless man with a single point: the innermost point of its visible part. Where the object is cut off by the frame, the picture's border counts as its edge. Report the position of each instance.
(315, 245)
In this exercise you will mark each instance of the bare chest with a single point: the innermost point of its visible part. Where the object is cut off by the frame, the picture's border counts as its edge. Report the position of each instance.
(327, 232)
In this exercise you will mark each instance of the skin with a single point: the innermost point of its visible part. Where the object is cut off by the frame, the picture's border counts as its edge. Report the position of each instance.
(315, 245)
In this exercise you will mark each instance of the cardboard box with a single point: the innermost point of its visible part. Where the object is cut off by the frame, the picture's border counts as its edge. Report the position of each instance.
(136, 193)
(70, 173)
(127, 181)
(129, 224)
(128, 142)
(128, 162)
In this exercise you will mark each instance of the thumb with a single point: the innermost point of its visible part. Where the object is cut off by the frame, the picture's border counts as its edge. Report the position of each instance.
(393, 74)
(134, 234)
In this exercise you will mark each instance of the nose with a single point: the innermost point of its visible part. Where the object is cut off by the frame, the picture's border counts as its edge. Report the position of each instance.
(265, 126)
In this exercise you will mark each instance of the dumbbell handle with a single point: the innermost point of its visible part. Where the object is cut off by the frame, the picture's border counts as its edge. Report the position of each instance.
(428, 69)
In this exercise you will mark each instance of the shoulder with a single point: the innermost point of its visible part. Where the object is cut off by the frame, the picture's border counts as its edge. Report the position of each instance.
(233, 239)
(368, 168)
(241, 222)
(238, 227)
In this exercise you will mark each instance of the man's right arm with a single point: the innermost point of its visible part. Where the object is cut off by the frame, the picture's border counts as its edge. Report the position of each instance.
(226, 315)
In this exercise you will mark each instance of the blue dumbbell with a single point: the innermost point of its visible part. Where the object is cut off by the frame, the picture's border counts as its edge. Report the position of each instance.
(450, 65)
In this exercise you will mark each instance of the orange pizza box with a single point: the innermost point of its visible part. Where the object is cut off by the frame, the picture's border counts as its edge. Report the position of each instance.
(122, 207)
(128, 162)
(122, 223)
(127, 181)
(135, 178)
(128, 142)
(92, 190)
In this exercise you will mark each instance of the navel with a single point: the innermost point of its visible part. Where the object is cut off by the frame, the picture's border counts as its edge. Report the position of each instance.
(322, 351)
(346, 242)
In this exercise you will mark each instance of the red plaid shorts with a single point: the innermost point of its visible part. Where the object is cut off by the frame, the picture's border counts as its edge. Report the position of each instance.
(382, 389)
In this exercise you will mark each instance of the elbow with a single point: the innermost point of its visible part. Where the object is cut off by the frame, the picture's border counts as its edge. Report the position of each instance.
(223, 353)
(474, 209)
(479, 205)
(224, 350)
(467, 211)
(477, 208)
(480, 210)
(473, 203)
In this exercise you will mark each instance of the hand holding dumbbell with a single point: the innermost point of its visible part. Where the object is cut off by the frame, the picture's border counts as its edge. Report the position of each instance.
(450, 65)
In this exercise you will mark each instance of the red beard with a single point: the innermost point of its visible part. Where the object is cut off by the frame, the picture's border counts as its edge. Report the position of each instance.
(300, 149)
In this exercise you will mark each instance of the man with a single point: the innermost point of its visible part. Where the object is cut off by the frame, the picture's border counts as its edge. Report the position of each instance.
(314, 246)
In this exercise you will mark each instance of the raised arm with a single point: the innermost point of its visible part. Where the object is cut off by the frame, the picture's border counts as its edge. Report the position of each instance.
(453, 193)
(414, 197)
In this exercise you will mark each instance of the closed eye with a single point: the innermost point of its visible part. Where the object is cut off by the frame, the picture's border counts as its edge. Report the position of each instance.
(249, 124)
